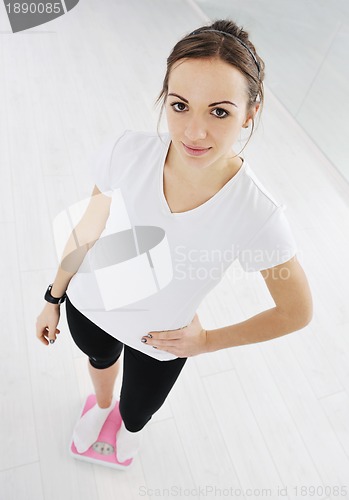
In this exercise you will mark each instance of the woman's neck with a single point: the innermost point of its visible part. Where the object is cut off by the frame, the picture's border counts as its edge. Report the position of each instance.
(216, 175)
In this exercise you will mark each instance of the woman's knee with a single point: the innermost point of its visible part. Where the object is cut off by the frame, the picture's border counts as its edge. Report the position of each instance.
(134, 422)
(102, 364)
(101, 347)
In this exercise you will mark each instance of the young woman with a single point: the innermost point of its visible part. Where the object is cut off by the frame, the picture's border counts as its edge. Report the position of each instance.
(167, 217)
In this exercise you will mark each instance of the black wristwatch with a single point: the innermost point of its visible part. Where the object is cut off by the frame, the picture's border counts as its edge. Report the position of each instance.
(54, 300)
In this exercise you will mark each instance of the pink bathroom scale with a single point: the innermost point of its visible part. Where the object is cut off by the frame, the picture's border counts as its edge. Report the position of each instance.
(103, 451)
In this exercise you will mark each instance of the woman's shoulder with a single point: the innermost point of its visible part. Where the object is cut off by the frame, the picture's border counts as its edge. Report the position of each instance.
(258, 187)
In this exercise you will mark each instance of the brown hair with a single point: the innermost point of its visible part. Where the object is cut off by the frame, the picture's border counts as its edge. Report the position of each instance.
(208, 44)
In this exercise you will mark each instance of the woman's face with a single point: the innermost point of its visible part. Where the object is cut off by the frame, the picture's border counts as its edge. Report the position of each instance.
(194, 116)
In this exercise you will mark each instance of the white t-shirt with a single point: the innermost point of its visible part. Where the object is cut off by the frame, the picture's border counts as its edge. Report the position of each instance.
(151, 268)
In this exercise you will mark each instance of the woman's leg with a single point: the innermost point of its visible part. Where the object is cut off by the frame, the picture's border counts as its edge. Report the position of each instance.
(104, 352)
(102, 349)
(103, 382)
(146, 384)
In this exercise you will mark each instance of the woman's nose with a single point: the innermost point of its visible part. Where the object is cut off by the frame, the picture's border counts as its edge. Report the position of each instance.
(195, 131)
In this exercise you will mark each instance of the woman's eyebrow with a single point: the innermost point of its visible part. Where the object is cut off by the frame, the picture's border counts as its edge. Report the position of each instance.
(213, 104)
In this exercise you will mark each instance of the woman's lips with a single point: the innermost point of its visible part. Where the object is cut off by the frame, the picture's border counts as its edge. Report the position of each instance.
(195, 152)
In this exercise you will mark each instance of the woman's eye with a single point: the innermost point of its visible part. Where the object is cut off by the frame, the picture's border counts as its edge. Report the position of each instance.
(220, 115)
(177, 104)
(220, 110)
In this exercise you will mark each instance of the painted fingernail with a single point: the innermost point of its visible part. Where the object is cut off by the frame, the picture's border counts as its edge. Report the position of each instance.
(51, 341)
(149, 335)
(144, 340)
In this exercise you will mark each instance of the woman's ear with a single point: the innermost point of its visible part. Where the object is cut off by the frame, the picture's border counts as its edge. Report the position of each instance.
(251, 114)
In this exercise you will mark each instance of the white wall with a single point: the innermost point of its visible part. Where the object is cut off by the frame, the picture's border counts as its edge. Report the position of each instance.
(305, 47)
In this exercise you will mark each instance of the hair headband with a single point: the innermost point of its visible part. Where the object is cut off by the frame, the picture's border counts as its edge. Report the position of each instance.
(196, 32)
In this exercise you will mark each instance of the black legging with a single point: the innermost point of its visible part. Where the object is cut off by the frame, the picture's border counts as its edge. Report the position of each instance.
(146, 381)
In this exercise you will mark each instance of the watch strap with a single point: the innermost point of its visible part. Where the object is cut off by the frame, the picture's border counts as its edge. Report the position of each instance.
(53, 300)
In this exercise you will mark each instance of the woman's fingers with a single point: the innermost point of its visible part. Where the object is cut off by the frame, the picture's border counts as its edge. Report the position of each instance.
(46, 337)
(46, 325)
(51, 334)
(41, 336)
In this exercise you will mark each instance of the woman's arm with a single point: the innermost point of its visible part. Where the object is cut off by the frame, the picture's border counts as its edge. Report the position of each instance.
(289, 288)
(81, 239)
(293, 310)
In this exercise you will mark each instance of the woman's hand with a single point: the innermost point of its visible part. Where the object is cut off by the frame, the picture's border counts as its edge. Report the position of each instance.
(46, 323)
(183, 342)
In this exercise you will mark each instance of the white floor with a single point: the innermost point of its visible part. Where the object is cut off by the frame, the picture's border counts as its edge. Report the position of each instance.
(242, 422)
